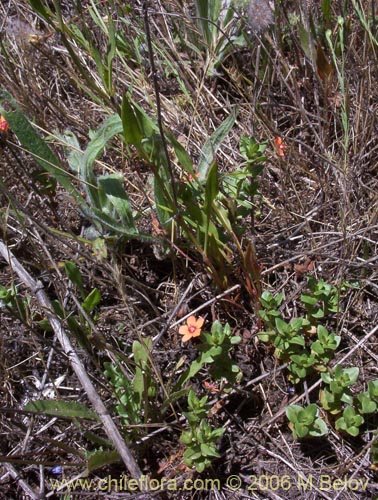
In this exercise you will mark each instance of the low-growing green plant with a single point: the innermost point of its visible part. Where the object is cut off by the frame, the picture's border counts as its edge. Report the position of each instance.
(373, 390)
(134, 394)
(270, 310)
(305, 422)
(338, 389)
(294, 344)
(340, 379)
(300, 366)
(15, 303)
(323, 348)
(322, 300)
(216, 22)
(350, 422)
(201, 445)
(78, 323)
(364, 404)
(200, 440)
(292, 340)
(331, 402)
(215, 350)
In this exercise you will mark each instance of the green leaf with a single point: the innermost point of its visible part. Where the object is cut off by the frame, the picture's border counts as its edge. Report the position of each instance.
(212, 187)
(366, 405)
(373, 389)
(211, 146)
(305, 41)
(319, 429)
(91, 300)
(301, 430)
(308, 414)
(112, 187)
(131, 127)
(309, 300)
(74, 276)
(282, 326)
(39, 7)
(292, 412)
(99, 458)
(95, 147)
(209, 450)
(211, 192)
(68, 409)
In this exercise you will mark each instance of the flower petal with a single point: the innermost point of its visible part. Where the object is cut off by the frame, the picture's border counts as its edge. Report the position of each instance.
(187, 337)
(191, 321)
(199, 322)
(184, 330)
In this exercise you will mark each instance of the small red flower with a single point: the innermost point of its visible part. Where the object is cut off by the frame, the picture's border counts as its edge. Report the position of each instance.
(280, 146)
(4, 126)
(192, 328)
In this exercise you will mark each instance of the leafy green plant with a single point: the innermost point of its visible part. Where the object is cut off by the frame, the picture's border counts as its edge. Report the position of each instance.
(289, 339)
(322, 300)
(373, 390)
(239, 188)
(300, 366)
(305, 422)
(201, 445)
(15, 303)
(200, 440)
(134, 394)
(292, 340)
(340, 379)
(323, 348)
(198, 408)
(364, 404)
(338, 390)
(331, 402)
(218, 29)
(350, 421)
(215, 348)
(79, 324)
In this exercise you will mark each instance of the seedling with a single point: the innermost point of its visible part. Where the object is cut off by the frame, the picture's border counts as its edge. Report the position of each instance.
(340, 379)
(373, 390)
(201, 445)
(15, 303)
(364, 404)
(323, 300)
(305, 422)
(300, 366)
(270, 310)
(331, 402)
(289, 339)
(322, 349)
(350, 421)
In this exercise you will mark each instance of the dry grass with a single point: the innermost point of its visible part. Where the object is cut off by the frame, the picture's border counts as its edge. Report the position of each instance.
(318, 203)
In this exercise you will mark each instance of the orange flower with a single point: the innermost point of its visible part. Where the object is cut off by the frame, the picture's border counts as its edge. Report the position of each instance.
(280, 146)
(192, 328)
(3, 125)
(210, 387)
